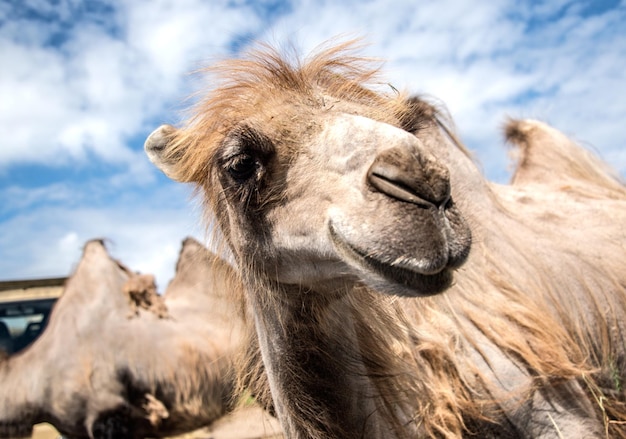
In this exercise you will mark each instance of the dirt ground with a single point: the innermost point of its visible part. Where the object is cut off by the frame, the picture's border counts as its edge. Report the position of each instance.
(249, 422)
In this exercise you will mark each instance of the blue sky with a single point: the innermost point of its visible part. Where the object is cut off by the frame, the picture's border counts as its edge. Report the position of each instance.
(83, 83)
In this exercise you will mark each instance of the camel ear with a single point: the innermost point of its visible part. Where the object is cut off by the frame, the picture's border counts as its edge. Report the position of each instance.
(420, 112)
(156, 147)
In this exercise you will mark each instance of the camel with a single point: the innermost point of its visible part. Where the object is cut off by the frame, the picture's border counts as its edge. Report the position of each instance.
(118, 361)
(393, 291)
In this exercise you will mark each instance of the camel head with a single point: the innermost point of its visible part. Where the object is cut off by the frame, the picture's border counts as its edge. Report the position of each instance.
(317, 181)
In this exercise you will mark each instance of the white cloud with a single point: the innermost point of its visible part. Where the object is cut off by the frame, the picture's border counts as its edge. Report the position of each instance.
(68, 243)
(99, 88)
(46, 241)
(17, 198)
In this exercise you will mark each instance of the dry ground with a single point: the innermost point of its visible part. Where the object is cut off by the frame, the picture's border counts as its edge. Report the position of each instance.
(249, 422)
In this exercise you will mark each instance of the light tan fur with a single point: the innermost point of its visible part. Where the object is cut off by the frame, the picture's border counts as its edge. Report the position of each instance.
(528, 340)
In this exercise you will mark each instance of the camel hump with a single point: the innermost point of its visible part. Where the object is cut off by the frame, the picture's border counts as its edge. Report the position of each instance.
(97, 277)
(95, 248)
(547, 156)
(200, 272)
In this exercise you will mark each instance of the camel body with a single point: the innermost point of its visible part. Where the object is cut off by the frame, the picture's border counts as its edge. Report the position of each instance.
(392, 290)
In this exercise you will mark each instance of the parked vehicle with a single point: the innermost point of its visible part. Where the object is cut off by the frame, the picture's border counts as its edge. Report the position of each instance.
(24, 309)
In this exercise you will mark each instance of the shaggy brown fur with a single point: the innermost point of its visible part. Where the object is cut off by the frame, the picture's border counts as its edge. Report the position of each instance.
(142, 294)
(95, 373)
(541, 298)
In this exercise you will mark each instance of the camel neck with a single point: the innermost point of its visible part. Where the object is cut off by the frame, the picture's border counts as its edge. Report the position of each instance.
(310, 352)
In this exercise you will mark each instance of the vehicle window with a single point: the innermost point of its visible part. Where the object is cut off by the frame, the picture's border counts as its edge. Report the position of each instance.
(22, 322)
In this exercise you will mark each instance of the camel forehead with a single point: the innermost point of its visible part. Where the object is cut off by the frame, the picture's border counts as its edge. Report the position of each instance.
(347, 142)
(294, 114)
(328, 131)
(357, 129)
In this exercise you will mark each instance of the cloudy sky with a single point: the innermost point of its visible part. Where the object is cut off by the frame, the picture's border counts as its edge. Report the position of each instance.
(83, 82)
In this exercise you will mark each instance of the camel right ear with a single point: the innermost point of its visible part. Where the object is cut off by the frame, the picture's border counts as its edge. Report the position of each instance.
(156, 147)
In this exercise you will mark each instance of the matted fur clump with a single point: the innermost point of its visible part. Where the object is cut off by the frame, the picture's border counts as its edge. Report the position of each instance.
(390, 289)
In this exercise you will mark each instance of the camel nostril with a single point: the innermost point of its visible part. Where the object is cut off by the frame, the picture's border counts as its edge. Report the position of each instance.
(400, 175)
(396, 189)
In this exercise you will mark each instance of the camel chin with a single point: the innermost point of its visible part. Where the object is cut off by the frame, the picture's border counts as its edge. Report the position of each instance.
(404, 276)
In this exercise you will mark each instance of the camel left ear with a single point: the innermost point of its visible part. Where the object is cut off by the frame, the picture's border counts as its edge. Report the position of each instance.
(420, 113)
(156, 146)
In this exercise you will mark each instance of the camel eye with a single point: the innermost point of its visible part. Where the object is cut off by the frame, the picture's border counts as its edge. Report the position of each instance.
(242, 167)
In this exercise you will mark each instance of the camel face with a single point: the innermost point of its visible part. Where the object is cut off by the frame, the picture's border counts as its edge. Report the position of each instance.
(349, 199)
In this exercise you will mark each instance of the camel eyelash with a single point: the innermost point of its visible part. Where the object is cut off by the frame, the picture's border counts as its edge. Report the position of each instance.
(242, 167)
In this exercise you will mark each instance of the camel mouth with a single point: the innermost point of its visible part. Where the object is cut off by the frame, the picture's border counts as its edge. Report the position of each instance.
(392, 278)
